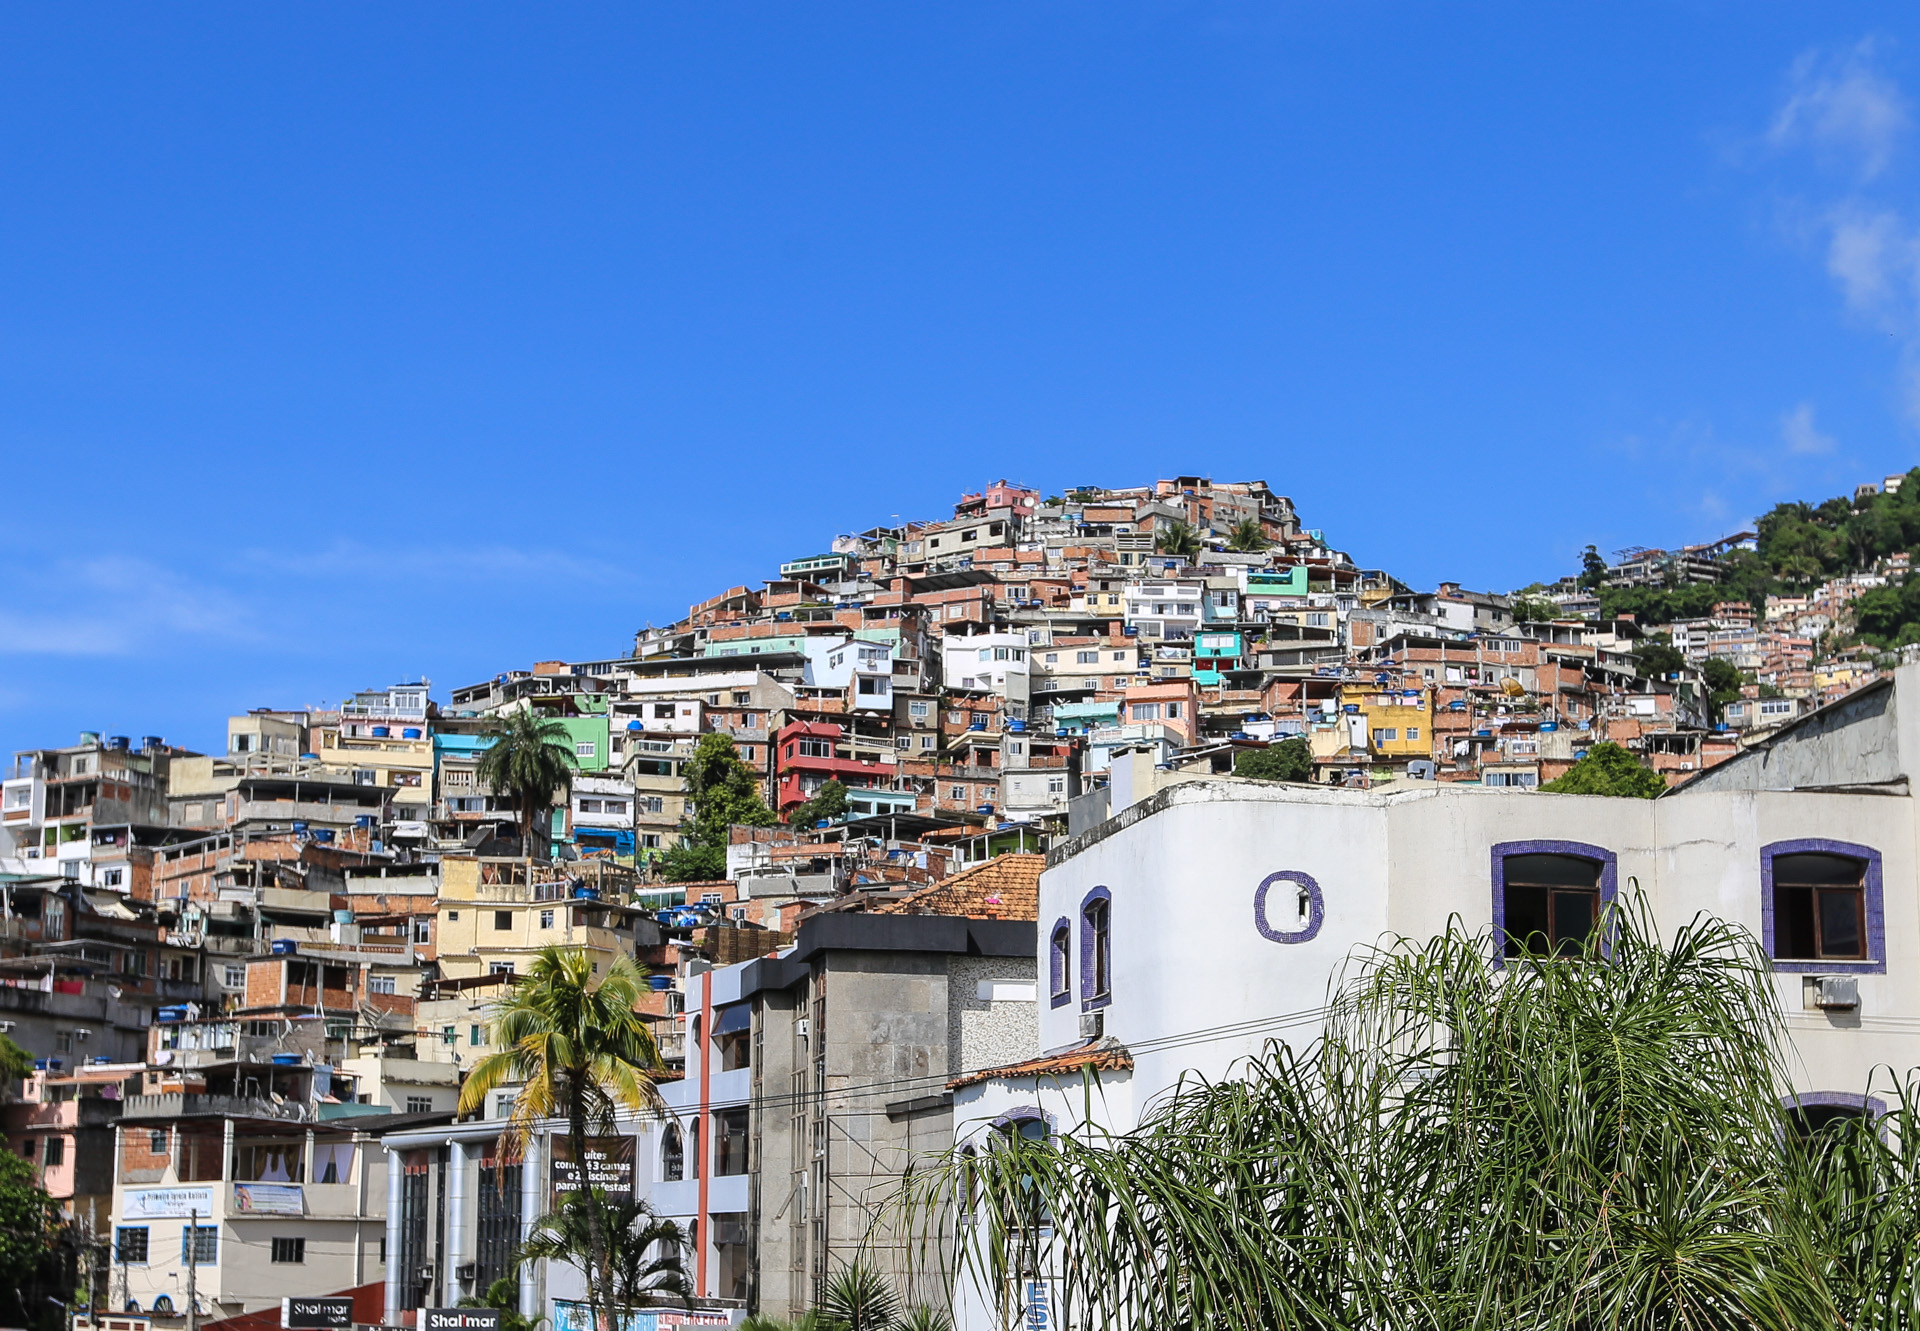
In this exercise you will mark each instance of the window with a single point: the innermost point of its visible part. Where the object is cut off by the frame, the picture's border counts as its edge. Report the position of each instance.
(130, 1245)
(1173, 709)
(816, 748)
(200, 1245)
(1096, 948)
(289, 1250)
(453, 915)
(1386, 735)
(416, 1104)
(448, 1035)
(1821, 906)
(589, 806)
(927, 741)
(476, 1034)
(1549, 896)
(652, 804)
(234, 976)
(56, 1152)
(919, 711)
(423, 931)
(1060, 963)
(1413, 733)
(156, 1143)
(382, 984)
(1146, 711)
(497, 968)
(546, 919)
(730, 1142)
(957, 793)
(503, 919)
(673, 1154)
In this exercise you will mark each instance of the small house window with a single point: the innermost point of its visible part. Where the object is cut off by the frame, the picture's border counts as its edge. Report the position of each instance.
(1096, 948)
(289, 1250)
(673, 1155)
(1548, 902)
(1821, 906)
(1060, 963)
(503, 919)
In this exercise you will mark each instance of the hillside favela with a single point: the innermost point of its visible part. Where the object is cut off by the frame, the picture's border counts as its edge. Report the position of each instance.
(947, 844)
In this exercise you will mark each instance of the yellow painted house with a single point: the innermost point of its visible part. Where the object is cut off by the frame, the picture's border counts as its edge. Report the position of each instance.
(1399, 722)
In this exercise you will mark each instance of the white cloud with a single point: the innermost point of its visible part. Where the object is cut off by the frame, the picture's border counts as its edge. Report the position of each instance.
(1801, 435)
(118, 607)
(1841, 105)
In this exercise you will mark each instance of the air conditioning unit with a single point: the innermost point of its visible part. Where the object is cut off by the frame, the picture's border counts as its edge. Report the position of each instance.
(467, 1271)
(1093, 1025)
(803, 1027)
(1836, 993)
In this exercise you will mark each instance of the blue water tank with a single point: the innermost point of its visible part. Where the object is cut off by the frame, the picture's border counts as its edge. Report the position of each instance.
(380, 732)
(659, 983)
(410, 732)
(310, 757)
(286, 947)
(286, 1060)
(363, 820)
(635, 725)
(324, 834)
(299, 827)
(1017, 726)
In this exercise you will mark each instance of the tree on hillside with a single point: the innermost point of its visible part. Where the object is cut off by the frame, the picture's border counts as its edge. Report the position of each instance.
(530, 761)
(27, 1219)
(1593, 569)
(1657, 658)
(1248, 537)
(1723, 680)
(1476, 1141)
(1177, 538)
(580, 1053)
(723, 791)
(1289, 760)
(1608, 769)
(829, 802)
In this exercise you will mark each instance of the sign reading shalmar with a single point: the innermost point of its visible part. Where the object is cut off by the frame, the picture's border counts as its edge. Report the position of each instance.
(609, 1167)
(459, 1319)
(315, 1314)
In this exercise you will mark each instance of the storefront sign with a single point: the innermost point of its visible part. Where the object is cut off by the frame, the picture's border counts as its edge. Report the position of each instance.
(459, 1319)
(571, 1316)
(316, 1314)
(609, 1167)
(166, 1203)
(269, 1199)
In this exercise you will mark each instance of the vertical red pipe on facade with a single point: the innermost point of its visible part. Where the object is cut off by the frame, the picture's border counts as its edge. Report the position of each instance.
(704, 1135)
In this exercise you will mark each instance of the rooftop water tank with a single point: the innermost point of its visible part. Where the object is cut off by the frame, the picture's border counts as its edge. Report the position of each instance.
(286, 1060)
(658, 983)
(286, 947)
(410, 732)
(380, 732)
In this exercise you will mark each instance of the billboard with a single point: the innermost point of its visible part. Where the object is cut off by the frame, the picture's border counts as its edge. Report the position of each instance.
(609, 1167)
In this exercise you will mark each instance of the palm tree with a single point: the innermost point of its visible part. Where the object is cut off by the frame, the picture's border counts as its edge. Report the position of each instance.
(579, 1052)
(531, 759)
(1475, 1143)
(1177, 538)
(1248, 537)
(858, 1298)
(645, 1254)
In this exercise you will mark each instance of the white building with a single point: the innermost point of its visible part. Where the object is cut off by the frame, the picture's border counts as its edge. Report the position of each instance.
(1212, 916)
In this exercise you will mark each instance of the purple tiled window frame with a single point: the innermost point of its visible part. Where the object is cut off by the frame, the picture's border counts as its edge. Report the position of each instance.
(1024, 1114)
(1060, 962)
(1876, 962)
(1871, 1105)
(1089, 1000)
(1609, 880)
(1316, 907)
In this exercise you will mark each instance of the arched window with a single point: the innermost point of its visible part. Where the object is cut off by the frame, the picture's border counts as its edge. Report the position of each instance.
(1060, 962)
(1820, 907)
(1549, 896)
(1096, 949)
(1817, 1113)
(673, 1154)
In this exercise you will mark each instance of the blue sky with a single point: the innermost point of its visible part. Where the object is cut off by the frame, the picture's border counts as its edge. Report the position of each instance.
(340, 344)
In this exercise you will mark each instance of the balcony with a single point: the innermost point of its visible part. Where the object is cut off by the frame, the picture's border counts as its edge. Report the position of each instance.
(178, 1105)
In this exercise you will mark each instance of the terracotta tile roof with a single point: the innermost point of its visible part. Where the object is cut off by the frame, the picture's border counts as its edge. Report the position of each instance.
(1004, 888)
(1104, 1056)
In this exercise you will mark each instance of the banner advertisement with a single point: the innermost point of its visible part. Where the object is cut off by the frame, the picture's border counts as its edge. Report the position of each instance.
(269, 1199)
(571, 1316)
(609, 1167)
(167, 1203)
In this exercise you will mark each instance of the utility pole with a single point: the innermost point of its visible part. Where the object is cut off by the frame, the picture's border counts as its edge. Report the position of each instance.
(193, 1256)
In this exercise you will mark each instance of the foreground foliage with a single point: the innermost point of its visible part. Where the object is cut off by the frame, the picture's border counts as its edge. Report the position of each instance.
(1551, 1144)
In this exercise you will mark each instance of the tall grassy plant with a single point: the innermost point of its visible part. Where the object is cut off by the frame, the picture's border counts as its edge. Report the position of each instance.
(1472, 1143)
